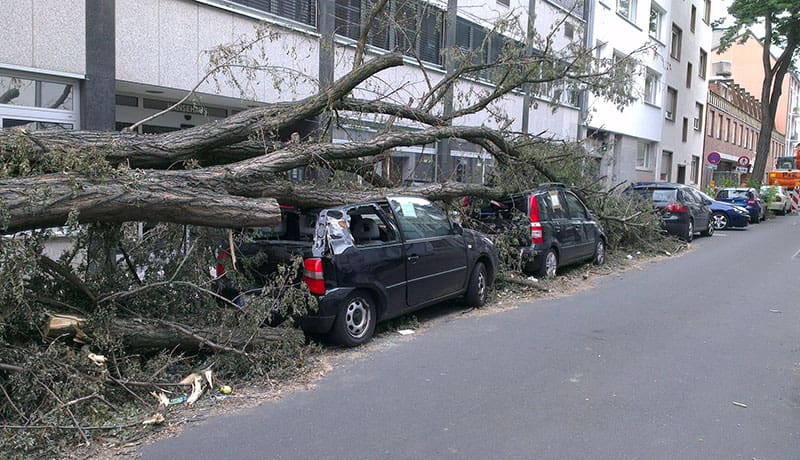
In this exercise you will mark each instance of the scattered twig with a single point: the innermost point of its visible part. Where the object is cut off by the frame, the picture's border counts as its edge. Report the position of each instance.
(14, 406)
(68, 411)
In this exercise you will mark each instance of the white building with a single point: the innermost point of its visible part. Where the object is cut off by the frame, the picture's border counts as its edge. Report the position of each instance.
(105, 64)
(660, 137)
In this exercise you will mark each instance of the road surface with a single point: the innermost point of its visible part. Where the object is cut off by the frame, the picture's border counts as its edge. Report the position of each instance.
(653, 364)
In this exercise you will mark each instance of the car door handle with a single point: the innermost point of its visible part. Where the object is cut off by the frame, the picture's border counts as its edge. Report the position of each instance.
(413, 259)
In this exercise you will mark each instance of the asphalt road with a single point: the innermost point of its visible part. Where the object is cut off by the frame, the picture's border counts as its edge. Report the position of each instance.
(647, 365)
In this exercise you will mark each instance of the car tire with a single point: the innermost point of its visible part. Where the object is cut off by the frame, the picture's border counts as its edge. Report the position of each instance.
(710, 230)
(720, 220)
(355, 321)
(478, 288)
(549, 265)
(688, 235)
(599, 257)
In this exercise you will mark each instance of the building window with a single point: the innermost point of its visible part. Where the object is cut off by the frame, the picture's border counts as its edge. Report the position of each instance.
(675, 42)
(702, 64)
(303, 11)
(689, 75)
(569, 30)
(38, 102)
(644, 156)
(652, 82)
(719, 126)
(416, 28)
(707, 12)
(656, 19)
(348, 18)
(699, 117)
(693, 18)
(710, 123)
(671, 104)
(694, 171)
(627, 9)
(735, 131)
(685, 130)
(666, 166)
(728, 130)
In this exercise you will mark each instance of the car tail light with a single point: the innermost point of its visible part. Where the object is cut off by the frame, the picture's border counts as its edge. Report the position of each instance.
(536, 226)
(221, 258)
(751, 202)
(312, 276)
(676, 207)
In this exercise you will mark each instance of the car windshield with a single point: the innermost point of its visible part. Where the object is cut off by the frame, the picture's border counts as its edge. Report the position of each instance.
(658, 194)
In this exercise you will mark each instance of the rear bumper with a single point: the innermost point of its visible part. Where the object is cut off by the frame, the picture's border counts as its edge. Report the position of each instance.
(675, 224)
(322, 321)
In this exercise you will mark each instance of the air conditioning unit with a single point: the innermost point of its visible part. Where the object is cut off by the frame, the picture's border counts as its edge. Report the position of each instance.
(697, 124)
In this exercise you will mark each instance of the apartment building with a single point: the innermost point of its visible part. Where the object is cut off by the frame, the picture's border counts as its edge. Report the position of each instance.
(106, 64)
(660, 137)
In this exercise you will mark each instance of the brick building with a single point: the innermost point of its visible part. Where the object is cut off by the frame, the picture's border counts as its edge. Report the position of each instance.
(733, 122)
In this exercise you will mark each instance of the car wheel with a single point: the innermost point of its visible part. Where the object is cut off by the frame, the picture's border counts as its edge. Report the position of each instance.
(710, 230)
(599, 253)
(549, 264)
(478, 286)
(719, 220)
(355, 322)
(689, 232)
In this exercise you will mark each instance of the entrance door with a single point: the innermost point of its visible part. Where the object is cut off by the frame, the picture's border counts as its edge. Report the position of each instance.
(681, 174)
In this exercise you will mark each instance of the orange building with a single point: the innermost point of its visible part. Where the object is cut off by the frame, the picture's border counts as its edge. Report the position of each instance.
(747, 70)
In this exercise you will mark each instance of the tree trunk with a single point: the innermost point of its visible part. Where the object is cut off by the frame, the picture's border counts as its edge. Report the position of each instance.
(149, 336)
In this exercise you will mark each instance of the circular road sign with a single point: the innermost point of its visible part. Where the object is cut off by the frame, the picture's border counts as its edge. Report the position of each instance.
(743, 161)
(714, 158)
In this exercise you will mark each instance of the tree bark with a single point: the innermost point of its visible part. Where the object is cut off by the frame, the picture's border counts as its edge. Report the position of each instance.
(220, 196)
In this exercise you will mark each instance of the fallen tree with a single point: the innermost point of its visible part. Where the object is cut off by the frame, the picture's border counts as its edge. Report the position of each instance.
(134, 285)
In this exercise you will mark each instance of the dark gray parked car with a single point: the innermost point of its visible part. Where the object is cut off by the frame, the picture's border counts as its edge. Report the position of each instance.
(683, 211)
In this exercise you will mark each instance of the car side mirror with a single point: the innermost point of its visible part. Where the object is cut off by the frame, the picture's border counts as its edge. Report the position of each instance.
(457, 229)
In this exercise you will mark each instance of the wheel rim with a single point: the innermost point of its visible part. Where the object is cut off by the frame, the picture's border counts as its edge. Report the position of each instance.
(357, 318)
(600, 253)
(710, 229)
(551, 263)
(719, 221)
(481, 285)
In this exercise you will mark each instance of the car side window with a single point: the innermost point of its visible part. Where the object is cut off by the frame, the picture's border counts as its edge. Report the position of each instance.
(555, 205)
(688, 196)
(419, 218)
(576, 208)
(369, 228)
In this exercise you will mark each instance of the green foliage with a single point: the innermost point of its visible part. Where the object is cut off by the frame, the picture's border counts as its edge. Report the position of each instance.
(111, 275)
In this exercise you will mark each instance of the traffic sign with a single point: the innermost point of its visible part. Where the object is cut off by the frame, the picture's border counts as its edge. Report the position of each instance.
(714, 158)
(743, 161)
(742, 169)
(711, 167)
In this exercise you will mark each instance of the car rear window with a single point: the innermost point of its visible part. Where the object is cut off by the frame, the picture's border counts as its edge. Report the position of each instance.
(728, 194)
(658, 194)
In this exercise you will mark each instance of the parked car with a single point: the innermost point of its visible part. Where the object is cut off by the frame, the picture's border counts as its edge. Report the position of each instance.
(747, 198)
(370, 262)
(556, 227)
(726, 215)
(683, 211)
(781, 204)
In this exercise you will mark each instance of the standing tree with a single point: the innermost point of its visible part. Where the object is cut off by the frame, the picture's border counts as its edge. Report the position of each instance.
(781, 20)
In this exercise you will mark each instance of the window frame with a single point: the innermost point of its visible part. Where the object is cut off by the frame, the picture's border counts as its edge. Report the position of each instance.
(676, 42)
